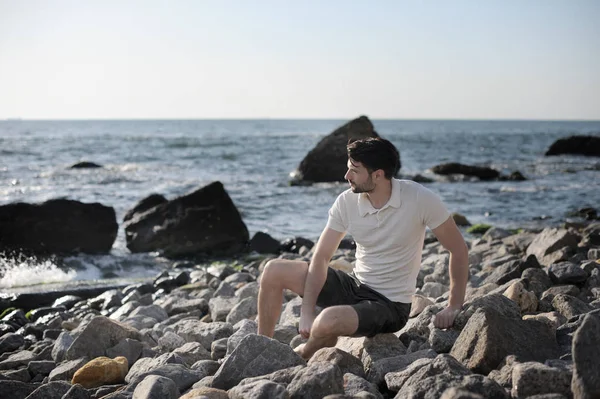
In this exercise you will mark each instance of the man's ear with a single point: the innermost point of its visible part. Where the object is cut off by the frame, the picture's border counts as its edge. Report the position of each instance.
(379, 174)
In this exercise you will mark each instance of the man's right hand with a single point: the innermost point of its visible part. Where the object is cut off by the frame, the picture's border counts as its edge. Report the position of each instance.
(306, 321)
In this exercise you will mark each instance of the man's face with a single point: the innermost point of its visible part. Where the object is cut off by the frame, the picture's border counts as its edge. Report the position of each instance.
(359, 177)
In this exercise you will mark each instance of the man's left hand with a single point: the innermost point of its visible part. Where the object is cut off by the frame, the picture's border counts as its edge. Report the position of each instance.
(445, 318)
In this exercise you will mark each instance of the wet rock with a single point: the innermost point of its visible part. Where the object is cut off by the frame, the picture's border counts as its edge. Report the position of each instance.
(10, 342)
(490, 336)
(264, 244)
(85, 165)
(16, 317)
(345, 361)
(327, 161)
(549, 242)
(156, 387)
(147, 203)
(255, 355)
(567, 273)
(481, 172)
(576, 144)
(586, 352)
(258, 390)
(532, 378)
(316, 381)
(569, 306)
(66, 370)
(205, 221)
(97, 336)
(101, 371)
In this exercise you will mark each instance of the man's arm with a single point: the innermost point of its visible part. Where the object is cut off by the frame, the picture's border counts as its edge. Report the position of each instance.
(317, 274)
(451, 239)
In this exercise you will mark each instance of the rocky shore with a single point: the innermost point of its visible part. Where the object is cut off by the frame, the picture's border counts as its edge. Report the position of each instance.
(530, 327)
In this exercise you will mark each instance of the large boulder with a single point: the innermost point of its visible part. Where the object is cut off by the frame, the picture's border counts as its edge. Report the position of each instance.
(578, 145)
(489, 336)
(205, 221)
(58, 226)
(327, 161)
(454, 168)
(547, 244)
(586, 355)
(147, 203)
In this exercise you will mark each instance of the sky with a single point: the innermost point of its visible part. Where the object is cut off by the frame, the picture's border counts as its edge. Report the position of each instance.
(512, 59)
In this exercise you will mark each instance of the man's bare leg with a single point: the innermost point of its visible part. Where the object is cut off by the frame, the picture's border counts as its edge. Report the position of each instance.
(279, 274)
(330, 324)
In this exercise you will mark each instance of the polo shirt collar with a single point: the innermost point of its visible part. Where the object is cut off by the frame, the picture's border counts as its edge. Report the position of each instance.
(365, 207)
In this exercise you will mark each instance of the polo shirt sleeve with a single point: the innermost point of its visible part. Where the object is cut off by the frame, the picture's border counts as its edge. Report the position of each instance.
(338, 217)
(432, 210)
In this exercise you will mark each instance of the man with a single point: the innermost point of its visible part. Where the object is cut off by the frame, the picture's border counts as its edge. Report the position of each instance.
(387, 218)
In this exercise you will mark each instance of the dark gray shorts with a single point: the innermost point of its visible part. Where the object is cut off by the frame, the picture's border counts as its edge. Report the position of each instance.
(376, 313)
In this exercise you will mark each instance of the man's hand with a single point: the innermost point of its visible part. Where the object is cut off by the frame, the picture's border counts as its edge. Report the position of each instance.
(445, 318)
(306, 321)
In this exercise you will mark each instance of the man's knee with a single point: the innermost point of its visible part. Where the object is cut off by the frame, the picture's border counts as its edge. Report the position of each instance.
(333, 322)
(269, 272)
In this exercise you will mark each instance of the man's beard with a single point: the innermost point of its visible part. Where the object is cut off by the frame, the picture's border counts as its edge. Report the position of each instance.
(366, 187)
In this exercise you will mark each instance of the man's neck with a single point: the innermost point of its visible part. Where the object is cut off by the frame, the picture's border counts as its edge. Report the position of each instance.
(381, 194)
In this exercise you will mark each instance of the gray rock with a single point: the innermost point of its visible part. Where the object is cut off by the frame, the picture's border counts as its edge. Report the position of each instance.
(62, 343)
(255, 355)
(183, 377)
(153, 311)
(551, 292)
(586, 355)
(345, 361)
(284, 376)
(569, 306)
(192, 352)
(380, 346)
(156, 387)
(503, 375)
(219, 349)
(16, 389)
(511, 270)
(538, 280)
(66, 370)
(424, 368)
(316, 381)
(124, 310)
(140, 322)
(129, 348)
(549, 241)
(290, 315)
(206, 368)
(10, 342)
(146, 365)
(376, 373)
(495, 233)
(188, 305)
(533, 378)
(246, 327)
(51, 390)
(442, 341)
(170, 341)
(18, 359)
(261, 389)
(240, 277)
(220, 307)
(567, 273)
(285, 334)
(249, 290)
(459, 393)
(355, 385)
(417, 329)
(76, 392)
(434, 290)
(496, 302)
(205, 333)
(224, 290)
(435, 386)
(97, 336)
(43, 367)
(21, 375)
(245, 309)
(490, 336)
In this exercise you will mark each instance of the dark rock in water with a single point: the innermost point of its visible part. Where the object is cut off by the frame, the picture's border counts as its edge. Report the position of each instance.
(35, 314)
(514, 176)
(327, 161)
(203, 222)
(57, 226)
(32, 300)
(17, 317)
(85, 165)
(586, 352)
(482, 172)
(347, 243)
(67, 301)
(294, 244)
(16, 389)
(147, 203)
(578, 145)
(264, 244)
(586, 213)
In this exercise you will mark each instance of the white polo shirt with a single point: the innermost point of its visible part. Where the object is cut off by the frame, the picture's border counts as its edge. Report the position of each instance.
(389, 241)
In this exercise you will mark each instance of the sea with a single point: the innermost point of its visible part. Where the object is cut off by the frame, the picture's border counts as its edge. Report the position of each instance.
(254, 158)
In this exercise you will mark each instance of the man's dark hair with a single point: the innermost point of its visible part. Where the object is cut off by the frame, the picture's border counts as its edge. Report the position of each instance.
(375, 153)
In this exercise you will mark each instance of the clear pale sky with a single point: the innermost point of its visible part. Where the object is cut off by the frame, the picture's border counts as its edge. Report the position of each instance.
(535, 59)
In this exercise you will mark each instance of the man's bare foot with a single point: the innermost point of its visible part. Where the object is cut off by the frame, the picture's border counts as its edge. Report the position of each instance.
(300, 351)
